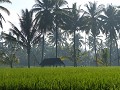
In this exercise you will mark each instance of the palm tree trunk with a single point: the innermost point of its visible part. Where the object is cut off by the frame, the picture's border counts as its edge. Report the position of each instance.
(89, 41)
(110, 52)
(117, 52)
(11, 64)
(35, 61)
(95, 51)
(56, 40)
(28, 53)
(75, 62)
(43, 42)
(85, 42)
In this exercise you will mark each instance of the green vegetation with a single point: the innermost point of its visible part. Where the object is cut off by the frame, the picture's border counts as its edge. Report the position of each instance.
(68, 78)
(86, 36)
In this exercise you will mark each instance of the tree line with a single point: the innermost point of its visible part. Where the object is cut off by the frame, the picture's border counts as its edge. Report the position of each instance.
(51, 23)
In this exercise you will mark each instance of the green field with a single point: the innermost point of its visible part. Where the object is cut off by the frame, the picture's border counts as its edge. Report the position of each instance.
(60, 78)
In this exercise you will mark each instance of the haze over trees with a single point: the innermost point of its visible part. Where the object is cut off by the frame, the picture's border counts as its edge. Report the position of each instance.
(51, 29)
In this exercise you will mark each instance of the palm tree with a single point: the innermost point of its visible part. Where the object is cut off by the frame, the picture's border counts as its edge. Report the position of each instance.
(28, 34)
(43, 17)
(75, 19)
(58, 13)
(74, 23)
(93, 22)
(5, 10)
(111, 25)
(48, 16)
(98, 42)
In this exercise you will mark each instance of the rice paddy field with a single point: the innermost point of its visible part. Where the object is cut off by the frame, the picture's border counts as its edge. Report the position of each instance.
(60, 78)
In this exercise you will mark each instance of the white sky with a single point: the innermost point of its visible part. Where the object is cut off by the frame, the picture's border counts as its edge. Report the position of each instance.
(17, 5)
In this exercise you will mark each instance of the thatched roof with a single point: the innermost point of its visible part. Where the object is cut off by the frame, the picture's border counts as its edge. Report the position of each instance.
(52, 62)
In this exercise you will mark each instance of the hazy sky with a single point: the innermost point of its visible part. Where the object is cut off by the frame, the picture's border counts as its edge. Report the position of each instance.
(17, 5)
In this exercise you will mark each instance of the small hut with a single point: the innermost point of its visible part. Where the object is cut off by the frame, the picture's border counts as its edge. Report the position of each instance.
(52, 62)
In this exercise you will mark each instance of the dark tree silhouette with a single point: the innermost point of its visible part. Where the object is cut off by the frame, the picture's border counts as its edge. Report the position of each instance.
(92, 14)
(28, 34)
(111, 25)
(43, 18)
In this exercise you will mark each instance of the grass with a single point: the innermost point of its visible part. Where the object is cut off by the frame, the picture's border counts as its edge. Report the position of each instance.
(60, 78)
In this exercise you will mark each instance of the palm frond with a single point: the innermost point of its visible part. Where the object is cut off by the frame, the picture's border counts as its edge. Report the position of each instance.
(39, 2)
(37, 39)
(17, 32)
(5, 1)
(32, 34)
(5, 10)
(1, 25)
(8, 37)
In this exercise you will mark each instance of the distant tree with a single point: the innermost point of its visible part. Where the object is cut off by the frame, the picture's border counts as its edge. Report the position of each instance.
(35, 54)
(78, 41)
(61, 38)
(98, 42)
(103, 56)
(8, 53)
(8, 59)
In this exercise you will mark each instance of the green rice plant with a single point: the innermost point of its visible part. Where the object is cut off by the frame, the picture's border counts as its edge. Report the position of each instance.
(67, 78)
